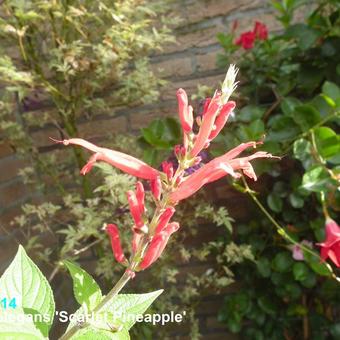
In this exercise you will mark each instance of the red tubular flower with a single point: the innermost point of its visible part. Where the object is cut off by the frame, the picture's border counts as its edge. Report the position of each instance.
(158, 245)
(222, 119)
(217, 168)
(246, 40)
(122, 161)
(206, 105)
(135, 241)
(260, 31)
(184, 111)
(156, 188)
(164, 219)
(140, 195)
(135, 209)
(168, 169)
(331, 246)
(213, 120)
(113, 232)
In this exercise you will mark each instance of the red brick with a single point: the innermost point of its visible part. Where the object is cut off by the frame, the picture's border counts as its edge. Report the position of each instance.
(220, 336)
(42, 137)
(199, 38)
(5, 149)
(11, 193)
(213, 324)
(190, 86)
(173, 67)
(204, 9)
(207, 62)
(7, 217)
(102, 127)
(10, 167)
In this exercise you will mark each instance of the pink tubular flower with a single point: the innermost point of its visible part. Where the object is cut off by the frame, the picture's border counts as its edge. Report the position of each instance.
(135, 209)
(184, 111)
(168, 169)
(221, 119)
(122, 161)
(331, 246)
(213, 121)
(164, 219)
(246, 40)
(260, 31)
(217, 168)
(157, 245)
(156, 188)
(140, 195)
(113, 232)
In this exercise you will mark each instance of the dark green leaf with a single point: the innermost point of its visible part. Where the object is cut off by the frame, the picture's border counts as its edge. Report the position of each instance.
(274, 202)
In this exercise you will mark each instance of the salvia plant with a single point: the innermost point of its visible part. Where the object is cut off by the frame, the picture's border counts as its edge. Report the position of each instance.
(150, 231)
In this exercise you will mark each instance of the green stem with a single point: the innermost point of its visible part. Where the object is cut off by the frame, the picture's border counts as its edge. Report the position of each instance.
(280, 229)
(112, 294)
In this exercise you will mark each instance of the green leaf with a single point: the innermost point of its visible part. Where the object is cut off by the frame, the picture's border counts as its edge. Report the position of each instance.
(282, 262)
(24, 281)
(318, 266)
(306, 116)
(331, 90)
(85, 288)
(327, 142)
(315, 180)
(263, 266)
(9, 330)
(296, 201)
(302, 149)
(306, 36)
(274, 202)
(267, 305)
(249, 113)
(300, 271)
(256, 129)
(120, 314)
(93, 333)
(131, 305)
(288, 105)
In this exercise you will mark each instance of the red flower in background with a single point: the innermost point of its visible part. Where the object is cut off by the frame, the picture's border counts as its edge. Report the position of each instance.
(247, 39)
(261, 31)
(331, 246)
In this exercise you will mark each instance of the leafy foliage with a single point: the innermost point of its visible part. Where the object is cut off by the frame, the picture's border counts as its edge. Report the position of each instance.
(290, 91)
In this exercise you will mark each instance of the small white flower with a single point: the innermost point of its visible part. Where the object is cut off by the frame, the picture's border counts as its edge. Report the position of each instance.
(229, 85)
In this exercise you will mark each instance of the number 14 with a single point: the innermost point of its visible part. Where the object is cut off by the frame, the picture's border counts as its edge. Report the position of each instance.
(5, 303)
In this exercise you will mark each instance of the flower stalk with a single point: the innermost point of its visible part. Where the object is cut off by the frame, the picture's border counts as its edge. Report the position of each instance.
(150, 234)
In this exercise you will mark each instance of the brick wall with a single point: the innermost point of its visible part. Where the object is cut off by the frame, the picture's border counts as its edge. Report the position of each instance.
(189, 62)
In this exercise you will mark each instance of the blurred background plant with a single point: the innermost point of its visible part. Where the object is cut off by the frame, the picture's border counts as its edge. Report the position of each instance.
(289, 90)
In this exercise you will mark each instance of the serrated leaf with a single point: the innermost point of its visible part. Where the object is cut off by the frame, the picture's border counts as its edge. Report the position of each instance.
(85, 288)
(24, 281)
(130, 306)
(94, 334)
(9, 330)
(120, 313)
